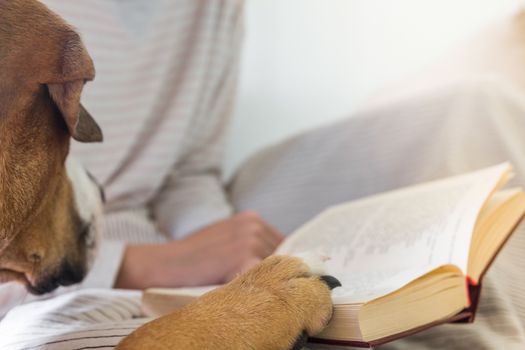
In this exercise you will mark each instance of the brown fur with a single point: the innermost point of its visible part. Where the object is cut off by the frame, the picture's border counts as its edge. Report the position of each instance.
(43, 66)
(268, 308)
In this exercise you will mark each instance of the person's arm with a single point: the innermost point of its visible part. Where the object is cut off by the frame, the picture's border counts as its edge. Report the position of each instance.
(193, 195)
(212, 255)
(119, 229)
(209, 245)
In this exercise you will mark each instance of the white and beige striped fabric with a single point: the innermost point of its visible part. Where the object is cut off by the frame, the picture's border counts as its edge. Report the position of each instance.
(165, 80)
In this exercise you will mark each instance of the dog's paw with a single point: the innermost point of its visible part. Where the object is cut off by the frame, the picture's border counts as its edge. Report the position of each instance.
(303, 287)
(274, 306)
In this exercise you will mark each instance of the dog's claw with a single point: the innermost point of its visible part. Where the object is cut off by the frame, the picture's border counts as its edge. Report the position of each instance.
(331, 281)
(300, 342)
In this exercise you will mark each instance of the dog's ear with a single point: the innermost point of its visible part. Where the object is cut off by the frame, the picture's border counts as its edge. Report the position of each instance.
(80, 123)
(74, 68)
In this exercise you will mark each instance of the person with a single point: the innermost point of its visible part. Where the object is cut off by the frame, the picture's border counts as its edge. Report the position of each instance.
(428, 135)
(166, 74)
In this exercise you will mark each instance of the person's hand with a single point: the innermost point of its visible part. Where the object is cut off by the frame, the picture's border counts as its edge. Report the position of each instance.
(213, 255)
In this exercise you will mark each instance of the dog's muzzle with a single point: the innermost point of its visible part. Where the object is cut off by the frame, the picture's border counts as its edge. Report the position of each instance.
(67, 275)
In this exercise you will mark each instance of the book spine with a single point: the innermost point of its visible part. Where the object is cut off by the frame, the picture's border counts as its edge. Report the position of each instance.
(473, 294)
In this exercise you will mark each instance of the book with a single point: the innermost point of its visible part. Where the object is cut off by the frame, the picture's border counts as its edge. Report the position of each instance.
(408, 259)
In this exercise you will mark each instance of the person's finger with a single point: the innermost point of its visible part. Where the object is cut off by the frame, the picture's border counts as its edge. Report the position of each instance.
(264, 246)
(266, 238)
(269, 239)
(247, 265)
(273, 234)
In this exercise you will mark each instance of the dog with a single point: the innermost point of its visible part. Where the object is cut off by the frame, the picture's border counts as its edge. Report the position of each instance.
(49, 206)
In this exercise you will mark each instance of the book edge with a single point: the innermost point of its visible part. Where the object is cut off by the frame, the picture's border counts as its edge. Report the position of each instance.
(465, 314)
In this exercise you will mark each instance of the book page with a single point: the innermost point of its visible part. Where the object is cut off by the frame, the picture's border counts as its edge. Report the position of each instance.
(378, 244)
(188, 291)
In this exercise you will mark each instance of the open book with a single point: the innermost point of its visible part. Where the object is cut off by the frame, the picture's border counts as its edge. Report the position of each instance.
(407, 259)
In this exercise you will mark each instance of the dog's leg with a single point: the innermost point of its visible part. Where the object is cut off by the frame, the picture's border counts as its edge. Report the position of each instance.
(274, 306)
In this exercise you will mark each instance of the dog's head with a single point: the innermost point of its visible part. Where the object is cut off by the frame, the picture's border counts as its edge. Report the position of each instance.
(48, 207)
